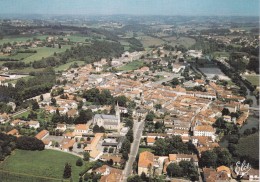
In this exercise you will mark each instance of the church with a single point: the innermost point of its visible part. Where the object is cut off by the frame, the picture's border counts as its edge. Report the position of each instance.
(109, 122)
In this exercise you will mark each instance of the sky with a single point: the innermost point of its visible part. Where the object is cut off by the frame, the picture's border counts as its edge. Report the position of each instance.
(132, 7)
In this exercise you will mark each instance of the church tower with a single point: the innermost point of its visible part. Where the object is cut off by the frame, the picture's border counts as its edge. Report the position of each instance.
(118, 116)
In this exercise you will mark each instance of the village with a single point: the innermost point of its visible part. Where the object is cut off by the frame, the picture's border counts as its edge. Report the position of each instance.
(160, 99)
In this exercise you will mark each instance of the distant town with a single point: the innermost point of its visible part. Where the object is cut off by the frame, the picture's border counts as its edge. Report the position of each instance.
(126, 99)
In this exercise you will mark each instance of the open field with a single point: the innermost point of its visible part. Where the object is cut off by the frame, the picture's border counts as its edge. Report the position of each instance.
(220, 54)
(134, 65)
(150, 41)
(67, 65)
(185, 41)
(25, 70)
(46, 163)
(21, 39)
(254, 79)
(18, 56)
(44, 52)
(211, 72)
(78, 38)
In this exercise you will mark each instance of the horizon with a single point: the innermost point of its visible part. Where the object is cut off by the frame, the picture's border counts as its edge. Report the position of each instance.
(249, 8)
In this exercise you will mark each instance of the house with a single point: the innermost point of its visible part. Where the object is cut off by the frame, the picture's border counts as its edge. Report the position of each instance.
(67, 144)
(224, 169)
(176, 68)
(204, 130)
(42, 134)
(140, 113)
(111, 157)
(113, 142)
(4, 118)
(212, 175)
(109, 122)
(253, 175)
(109, 174)
(13, 132)
(150, 141)
(81, 129)
(34, 124)
(145, 163)
(61, 127)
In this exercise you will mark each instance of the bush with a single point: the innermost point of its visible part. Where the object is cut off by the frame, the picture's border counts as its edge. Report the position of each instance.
(79, 162)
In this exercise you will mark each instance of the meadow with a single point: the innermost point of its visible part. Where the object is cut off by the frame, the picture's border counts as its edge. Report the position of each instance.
(254, 79)
(134, 65)
(46, 163)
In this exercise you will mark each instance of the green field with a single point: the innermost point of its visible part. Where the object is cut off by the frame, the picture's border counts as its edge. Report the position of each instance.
(220, 54)
(134, 65)
(18, 56)
(185, 41)
(78, 38)
(46, 163)
(254, 79)
(150, 41)
(44, 52)
(67, 65)
(21, 39)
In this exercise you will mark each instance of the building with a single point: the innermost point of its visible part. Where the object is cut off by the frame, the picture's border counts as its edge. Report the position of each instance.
(109, 122)
(204, 130)
(145, 163)
(81, 129)
(34, 124)
(42, 134)
(61, 127)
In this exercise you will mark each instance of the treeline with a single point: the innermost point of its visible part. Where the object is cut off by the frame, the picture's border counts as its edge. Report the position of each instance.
(7, 145)
(15, 64)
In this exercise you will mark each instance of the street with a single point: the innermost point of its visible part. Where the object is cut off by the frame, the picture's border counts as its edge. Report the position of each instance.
(138, 130)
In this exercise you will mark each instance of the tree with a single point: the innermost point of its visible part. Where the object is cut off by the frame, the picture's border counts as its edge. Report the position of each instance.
(175, 81)
(105, 149)
(158, 106)
(208, 159)
(101, 129)
(35, 105)
(174, 170)
(130, 135)
(111, 150)
(79, 162)
(110, 162)
(135, 178)
(84, 116)
(86, 156)
(225, 111)
(96, 129)
(53, 101)
(79, 145)
(144, 177)
(150, 116)
(41, 97)
(67, 171)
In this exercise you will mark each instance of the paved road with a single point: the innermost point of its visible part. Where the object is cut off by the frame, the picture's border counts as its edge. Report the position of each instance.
(138, 130)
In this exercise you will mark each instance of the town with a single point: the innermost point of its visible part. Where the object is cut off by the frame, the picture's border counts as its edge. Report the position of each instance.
(128, 109)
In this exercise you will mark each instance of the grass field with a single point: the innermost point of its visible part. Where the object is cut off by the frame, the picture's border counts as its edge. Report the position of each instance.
(254, 79)
(220, 54)
(46, 163)
(21, 39)
(25, 70)
(18, 56)
(132, 66)
(149, 41)
(44, 52)
(185, 41)
(66, 66)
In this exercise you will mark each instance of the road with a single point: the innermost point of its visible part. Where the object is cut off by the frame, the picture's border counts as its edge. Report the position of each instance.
(138, 130)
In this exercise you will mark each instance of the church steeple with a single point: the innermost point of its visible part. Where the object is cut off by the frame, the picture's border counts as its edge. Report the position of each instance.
(117, 110)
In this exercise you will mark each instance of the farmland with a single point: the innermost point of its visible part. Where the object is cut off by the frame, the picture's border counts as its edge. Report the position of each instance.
(150, 41)
(44, 52)
(67, 65)
(132, 66)
(177, 41)
(254, 79)
(41, 163)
